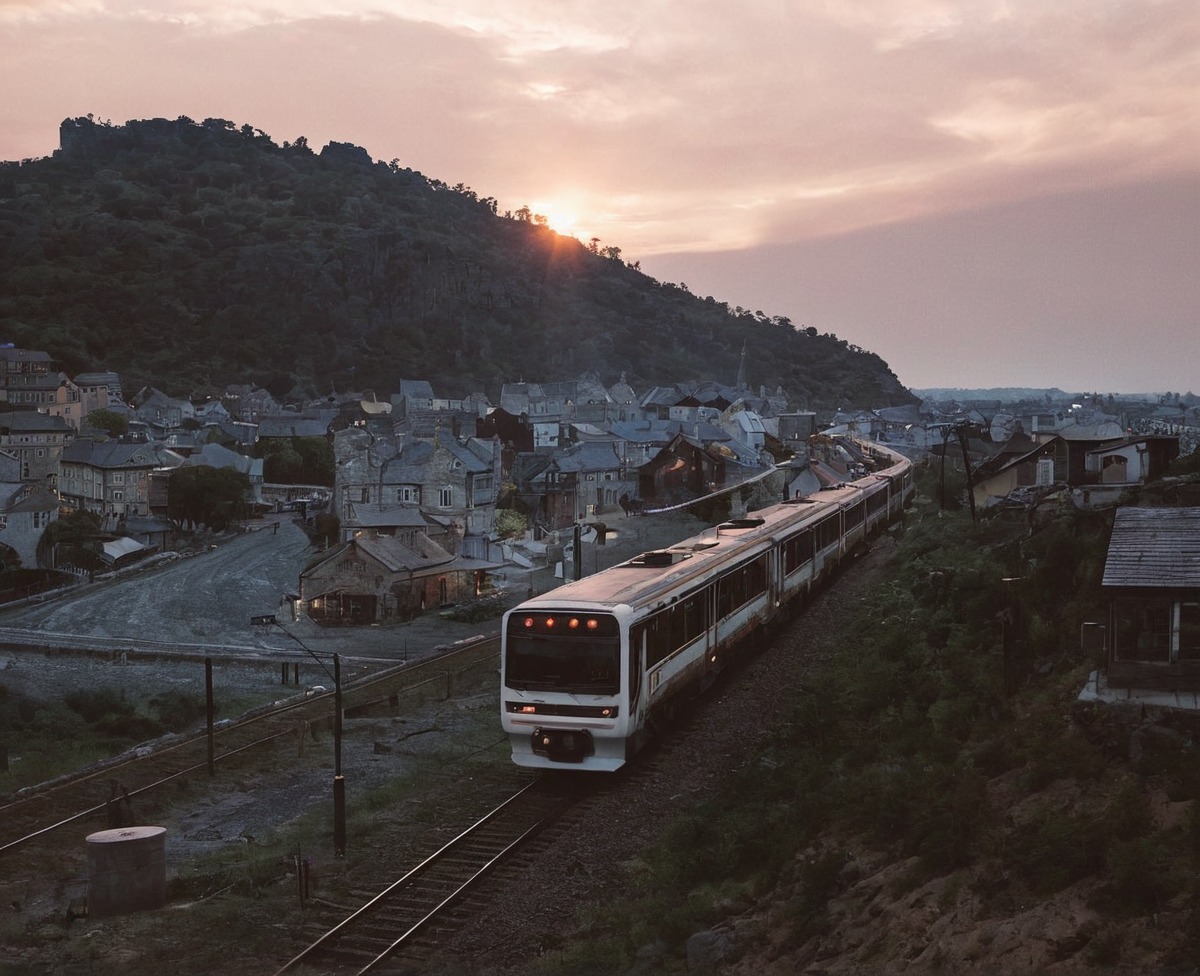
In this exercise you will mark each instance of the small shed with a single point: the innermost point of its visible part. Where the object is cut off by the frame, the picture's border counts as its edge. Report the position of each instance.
(1152, 583)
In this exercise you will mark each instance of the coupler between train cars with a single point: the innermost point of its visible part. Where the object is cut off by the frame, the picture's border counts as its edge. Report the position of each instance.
(563, 745)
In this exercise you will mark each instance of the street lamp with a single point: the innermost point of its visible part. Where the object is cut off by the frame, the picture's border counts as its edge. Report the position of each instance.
(339, 781)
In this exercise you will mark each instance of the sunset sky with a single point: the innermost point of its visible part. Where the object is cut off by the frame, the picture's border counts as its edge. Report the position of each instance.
(983, 192)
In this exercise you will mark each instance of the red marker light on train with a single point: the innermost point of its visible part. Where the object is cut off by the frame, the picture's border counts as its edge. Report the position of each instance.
(573, 623)
(549, 621)
(528, 621)
(528, 709)
(593, 623)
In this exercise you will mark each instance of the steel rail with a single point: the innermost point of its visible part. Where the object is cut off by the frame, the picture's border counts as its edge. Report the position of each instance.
(138, 791)
(338, 930)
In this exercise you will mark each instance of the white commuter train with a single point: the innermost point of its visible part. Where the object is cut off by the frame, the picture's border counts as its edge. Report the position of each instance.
(590, 669)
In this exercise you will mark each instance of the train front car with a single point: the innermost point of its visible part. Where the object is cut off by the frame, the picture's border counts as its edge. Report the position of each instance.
(563, 703)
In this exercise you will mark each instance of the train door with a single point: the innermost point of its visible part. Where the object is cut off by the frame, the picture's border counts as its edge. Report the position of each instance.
(639, 697)
(637, 667)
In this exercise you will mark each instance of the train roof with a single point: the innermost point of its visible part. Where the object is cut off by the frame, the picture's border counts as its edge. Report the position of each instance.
(659, 575)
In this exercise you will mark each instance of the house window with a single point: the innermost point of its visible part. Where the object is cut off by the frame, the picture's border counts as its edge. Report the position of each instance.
(365, 494)
(1189, 631)
(445, 497)
(407, 493)
(118, 478)
(118, 496)
(1143, 630)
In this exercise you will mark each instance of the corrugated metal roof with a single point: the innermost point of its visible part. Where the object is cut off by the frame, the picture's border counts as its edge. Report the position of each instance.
(1155, 547)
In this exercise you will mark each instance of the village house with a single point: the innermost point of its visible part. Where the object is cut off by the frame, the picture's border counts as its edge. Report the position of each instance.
(1021, 462)
(37, 440)
(162, 413)
(111, 478)
(419, 413)
(100, 390)
(452, 484)
(25, 511)
(376, 579)
(570, 485)
(1152, 584)
(31, 380)
(250, 404)
(684, 468)
(1113, 469)
(550, 404)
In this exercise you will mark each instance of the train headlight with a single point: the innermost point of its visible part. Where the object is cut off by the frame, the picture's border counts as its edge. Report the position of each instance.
(528, 710)
(607, 712)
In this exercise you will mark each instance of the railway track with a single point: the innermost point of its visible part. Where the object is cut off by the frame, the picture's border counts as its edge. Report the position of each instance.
(101, 794)
(406, 920)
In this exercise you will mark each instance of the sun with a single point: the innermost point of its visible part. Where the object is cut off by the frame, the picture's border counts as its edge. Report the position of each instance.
(560, 217)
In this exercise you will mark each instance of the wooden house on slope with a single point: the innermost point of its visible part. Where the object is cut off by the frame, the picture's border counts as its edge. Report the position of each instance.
(1152, 582)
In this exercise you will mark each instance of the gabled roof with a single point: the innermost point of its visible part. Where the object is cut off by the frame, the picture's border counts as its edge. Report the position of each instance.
(14, 355)
(25, 496)
(115, 549)
(1131, 441)
(32, 421)
(119, 454)
(421, 553)
(389, 552)
(216, 456)
(1106, 431)
(393, 515)
(588, 456)
(292, 427)
(419, 389)
(990, 467)
(1154, 547)
(645, 431)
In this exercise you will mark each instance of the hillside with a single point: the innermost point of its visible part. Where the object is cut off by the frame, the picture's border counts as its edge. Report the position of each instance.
(192, 255)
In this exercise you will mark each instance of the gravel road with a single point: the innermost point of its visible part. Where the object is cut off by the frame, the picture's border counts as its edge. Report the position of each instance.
(209, 598)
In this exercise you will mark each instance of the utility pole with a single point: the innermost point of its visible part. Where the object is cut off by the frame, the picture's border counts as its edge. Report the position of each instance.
(339, 781)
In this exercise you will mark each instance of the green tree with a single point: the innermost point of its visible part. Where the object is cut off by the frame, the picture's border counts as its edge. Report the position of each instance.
(109, 421)
(207, 496)
(71, 540)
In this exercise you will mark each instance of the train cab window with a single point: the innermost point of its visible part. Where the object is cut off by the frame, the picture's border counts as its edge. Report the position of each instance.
(574, 653)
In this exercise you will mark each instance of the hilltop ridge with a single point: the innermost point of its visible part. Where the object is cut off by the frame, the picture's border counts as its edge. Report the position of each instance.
(192, 255)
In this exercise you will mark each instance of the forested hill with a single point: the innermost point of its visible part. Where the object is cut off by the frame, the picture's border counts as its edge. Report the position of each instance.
(190, 255)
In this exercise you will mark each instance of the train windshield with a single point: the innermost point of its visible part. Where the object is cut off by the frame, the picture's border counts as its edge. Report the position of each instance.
(573, 653)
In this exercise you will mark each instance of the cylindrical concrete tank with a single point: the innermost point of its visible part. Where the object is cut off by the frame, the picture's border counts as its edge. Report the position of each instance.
(127, 870)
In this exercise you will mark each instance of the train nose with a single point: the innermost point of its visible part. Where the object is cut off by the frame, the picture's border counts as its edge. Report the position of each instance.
(563, 745)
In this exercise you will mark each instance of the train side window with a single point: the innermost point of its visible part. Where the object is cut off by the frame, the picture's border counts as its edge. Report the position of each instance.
(741, 585)
(828, 532)
(797, 551)
(658, 639)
